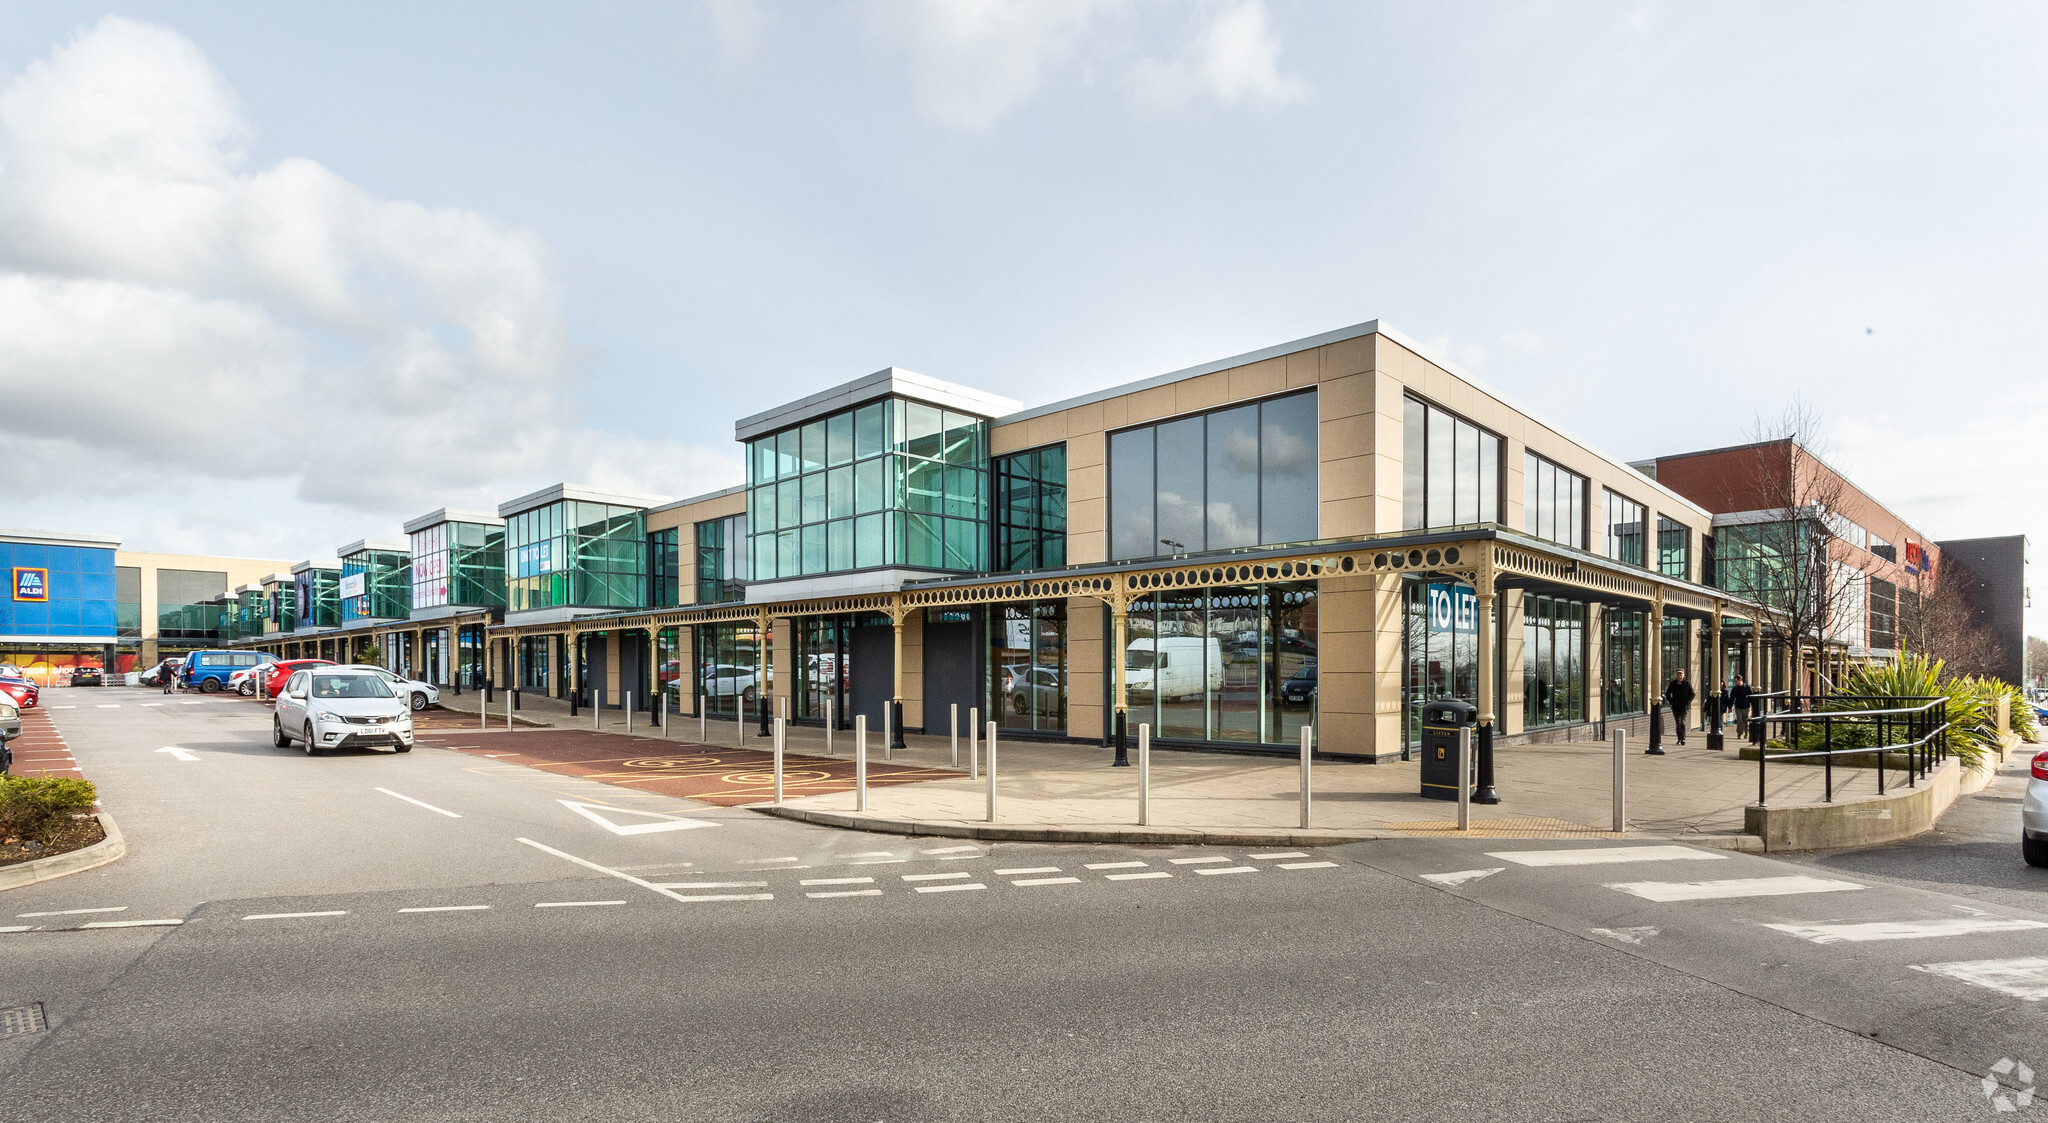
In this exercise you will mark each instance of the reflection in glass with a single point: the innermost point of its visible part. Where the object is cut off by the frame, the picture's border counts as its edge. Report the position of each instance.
(1131, 492)
(1231, 508)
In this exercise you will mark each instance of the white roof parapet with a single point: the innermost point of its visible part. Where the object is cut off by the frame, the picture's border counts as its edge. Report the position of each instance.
(887, 382)
(707, 497)
(57, 537)
(444, 515)
(557, 492)
(251, 587)
(386, 545)
(309, 564)
(278, 579)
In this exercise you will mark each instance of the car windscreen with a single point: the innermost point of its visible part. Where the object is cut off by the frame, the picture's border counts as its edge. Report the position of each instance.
(349, 686)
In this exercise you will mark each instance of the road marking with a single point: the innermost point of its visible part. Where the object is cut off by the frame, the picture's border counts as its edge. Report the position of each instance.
(1047, 881)
(1636, 936)
(837, 881)
(847, 893)
(934, 876)
(72, 912)
(745, 861)
(591, 811)
(190, 702)
(880, 862)
(960, 857)
(590, 865)
(951, 850)
(1306, 865)
(714, 885)
(146, 705)
(1903, 929)
(1731, 888)
(2020, 978)
(18, 928)
(178, 753)
(1113, 865)
(63, 707)
(1461, 876)
(101, 706)
(1028, 869)
(133, 924)
(1229, 869)
(729, 897)
(295, 915)
(1606, 855)
(448, 908)
(417, 803)
(860, 854)
(573, 904)
(1282, 854)
(949, 888)
(1195, 861)
(1136, 876)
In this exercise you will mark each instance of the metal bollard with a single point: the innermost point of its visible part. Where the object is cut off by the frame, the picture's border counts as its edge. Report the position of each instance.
(664, 715)
(1620, 781)
(483, 714)
(628, 707)
(991, 772)
(508, 712)
(974, 743)
(596, 710)
(1464, 777)
(888, 734)
(1144, 774)
(860, 762)
(1308, 748)
(740, 720)
(953, 730)
(828, 728)
(781, 728)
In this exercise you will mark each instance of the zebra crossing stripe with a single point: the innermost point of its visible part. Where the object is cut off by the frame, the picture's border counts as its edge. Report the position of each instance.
(2020, 978)
(1904, 929)
(1606, 855)
(1731, 888)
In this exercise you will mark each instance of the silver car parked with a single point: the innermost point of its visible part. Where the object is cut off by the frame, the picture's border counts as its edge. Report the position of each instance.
(2034, 814)
(340, 708)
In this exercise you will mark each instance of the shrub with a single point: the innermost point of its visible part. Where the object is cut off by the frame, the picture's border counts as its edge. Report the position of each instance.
(371, 656)
(1972, 705)
(29, 804)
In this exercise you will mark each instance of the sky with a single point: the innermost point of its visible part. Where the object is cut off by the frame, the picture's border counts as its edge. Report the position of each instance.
(274, 278)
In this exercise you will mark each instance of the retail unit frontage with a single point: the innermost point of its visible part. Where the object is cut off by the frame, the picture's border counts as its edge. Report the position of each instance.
(58, 613)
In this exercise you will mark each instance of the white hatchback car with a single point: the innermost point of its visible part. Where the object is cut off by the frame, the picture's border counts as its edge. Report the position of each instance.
(341, 708)
(2034, 814)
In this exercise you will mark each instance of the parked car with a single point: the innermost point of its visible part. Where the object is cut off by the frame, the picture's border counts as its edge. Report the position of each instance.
(209, 671)
(1044, 683)
(1300, 687)
(724, 681)
(155, 675)
(22, 692)
(419, 695)
(278, 673)
(340, 708)
(2034, 814)
(88, 676)
(10, 721)
(243, 681)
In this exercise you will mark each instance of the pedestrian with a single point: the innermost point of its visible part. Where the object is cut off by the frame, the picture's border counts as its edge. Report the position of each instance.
(1679, 695)
(169, 674)
(1738, 697)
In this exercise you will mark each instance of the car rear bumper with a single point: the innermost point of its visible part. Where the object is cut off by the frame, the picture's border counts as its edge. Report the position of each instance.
(2034, 810)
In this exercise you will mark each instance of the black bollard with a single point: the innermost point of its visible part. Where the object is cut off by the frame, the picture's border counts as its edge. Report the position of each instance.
(767, 725)
(1656, 730)
(1485, 792)
(896, 726)
(515, 698)
(1123, 753)
(574, 697)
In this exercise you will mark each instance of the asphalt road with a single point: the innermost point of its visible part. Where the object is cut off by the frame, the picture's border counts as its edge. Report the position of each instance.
(343, 952)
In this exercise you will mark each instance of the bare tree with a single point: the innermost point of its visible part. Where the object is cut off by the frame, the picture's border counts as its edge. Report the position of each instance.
(1938, 618)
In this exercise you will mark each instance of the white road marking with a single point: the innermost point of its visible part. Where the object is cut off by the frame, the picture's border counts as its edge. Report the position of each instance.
(861, 854)
(101, 706)
(72, 912)
(1113, 865)
(448, 908)
(729, 897)
(178, 753)
(1229, 869)
(417, 803)
(1195, 861)
(1047, 881)
(847, 893)
(960, 857)
(1606, 855)
(146, 705)
(950, 888)
(591, 811)
(295, 915)
(747, 861)
(951, 850)
(63, 707)
(573, 904)
(133, 924)
(1028, 869)
(1306, 865)
(714, 885)
(2020, 978)
(1732, 888)
(1282, 854)
(1903, 929)
(934, 876)
(1461, 876)
(190, 702)
(590, 865)
(879, 862)
(1635, 936)
(18, 928)
(1136, 876)
(837, 881)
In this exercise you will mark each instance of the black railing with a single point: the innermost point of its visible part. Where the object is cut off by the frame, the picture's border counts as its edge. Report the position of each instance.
(1921, 732)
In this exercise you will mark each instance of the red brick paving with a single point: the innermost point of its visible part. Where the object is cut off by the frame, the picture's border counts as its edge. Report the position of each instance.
(40, 750)
(726, 777)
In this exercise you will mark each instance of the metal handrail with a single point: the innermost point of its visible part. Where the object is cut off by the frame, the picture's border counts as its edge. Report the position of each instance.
(1922, 751)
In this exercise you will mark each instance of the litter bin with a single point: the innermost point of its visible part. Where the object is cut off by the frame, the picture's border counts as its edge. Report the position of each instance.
(1442, 721)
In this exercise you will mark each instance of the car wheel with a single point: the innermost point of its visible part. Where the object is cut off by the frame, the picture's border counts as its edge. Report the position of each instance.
(209, 686)
(419, 699)
(403, 748)
(2034, 850)
(246, 690)
(278, 736)
(312, 747)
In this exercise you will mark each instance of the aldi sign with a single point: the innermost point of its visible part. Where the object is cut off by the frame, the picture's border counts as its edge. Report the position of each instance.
(31, 584)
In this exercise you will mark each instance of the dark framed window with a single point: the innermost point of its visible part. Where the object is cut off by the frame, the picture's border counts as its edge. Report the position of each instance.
(1674, 548)
(722, 560)
(664, 568)
(1450, 469)
(1553, 661)
(1553, 502)
(1625, 529)
(1240, 476)
(1031, 509)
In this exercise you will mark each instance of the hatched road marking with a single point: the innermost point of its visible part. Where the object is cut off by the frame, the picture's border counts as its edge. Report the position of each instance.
(729, 897)
(1306, 865)
(950, 888)
(714, 885)
(1732, 888)
(1461, 876)
(1282, 854)
(2020, 978)
(934, 876)
(1027, 869)
(1606, 855)
(1230, 869)
(1137, 876)
(1196, 861)
(1903, 929)
(1113, 865)
(837, 881)
(847, 893)
(1047, 881)
(596, 814)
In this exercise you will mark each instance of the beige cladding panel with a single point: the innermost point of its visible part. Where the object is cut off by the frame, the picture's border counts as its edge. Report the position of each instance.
(913, 670)
(1087, 643)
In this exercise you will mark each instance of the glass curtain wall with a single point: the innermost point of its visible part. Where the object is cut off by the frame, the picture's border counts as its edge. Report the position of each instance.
(535, 667)
(574, 553)
(727, 666)
(1231, 664)
(668, 666)
(1440, 647)
(891, 483)
(822, 651)
(722, 560)
(386, 585)
(284, 607)
(434, 656)
(319, 598)
(1450, 469)
(1553, 661)
(1031, 509)
(469, 656)
(1553, 502)
(1676, 655)
(1625, 529)
(1027, 666)
(1884, 615)
(1242, 476)
(1674, 549)
(664, 568)
(1622, 662)
(458, 563)
(184, 603)
(128, 602)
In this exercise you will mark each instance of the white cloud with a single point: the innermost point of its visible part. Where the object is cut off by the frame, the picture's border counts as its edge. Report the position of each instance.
(1232, 58)
(165, 308)
(972, 61)
(738, 26)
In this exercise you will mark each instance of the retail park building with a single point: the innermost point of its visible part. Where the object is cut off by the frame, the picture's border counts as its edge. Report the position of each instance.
(1328, 532)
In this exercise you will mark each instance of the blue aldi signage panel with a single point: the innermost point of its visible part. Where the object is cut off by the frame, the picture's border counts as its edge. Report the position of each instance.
(1454, 608)
(31, 584)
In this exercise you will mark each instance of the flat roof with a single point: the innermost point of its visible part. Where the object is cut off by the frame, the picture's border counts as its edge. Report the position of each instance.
(887, 382)
(309, 565)
(58, 538)
(278, 579)
(557, 492)
(387, 545)
(707, 497)
(1878, 503)
(444, 515)
(251, 587)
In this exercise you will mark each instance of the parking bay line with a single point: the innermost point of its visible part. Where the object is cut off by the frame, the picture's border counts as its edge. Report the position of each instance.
(1027, 869)
(296, 915)
(1136, 876)
(1047, 881)
(950, 888)
(417, 803)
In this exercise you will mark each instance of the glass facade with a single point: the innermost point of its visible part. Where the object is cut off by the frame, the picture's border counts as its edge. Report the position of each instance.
(535, 665)
(891, 483)
(1674, 549)
(128, 602)
(1440, 648)
(1227, 664)
(1884, 615)
(728, 665)
(824, 651)
(1450, 469)
(578, 554)
(1622, 662)
(1553, 661)
(1031, 509)
(1553, 502)
(284, 610)
(376, 585)
(1762, 560)
(469, 656)
(185, 609)
(722, 560)
(1675, 655)
(1242, 476)
(318, 597)
(668, 665)
(458, 563)
(1625, 529)
(1027, 666)
(664, 568)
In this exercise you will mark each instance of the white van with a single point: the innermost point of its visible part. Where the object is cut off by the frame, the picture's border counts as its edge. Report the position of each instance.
(1173, 666)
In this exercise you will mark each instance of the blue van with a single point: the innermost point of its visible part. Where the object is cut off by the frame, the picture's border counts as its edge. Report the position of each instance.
(208, 671)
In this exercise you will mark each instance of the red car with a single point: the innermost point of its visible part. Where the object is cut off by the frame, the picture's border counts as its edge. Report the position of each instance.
(25, 693)
(282, 670)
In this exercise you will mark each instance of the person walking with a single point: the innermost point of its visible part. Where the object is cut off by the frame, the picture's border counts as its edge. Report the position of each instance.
(1738, 698)
(170, 676)
(1679, 696)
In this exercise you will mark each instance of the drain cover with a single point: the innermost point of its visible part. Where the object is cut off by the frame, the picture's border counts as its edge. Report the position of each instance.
(22, 1019)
